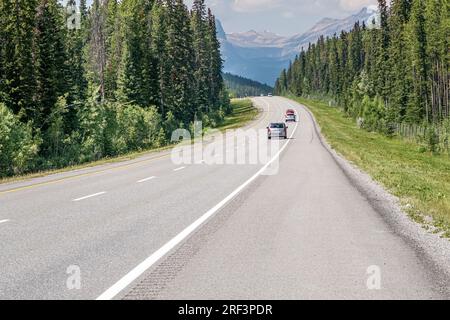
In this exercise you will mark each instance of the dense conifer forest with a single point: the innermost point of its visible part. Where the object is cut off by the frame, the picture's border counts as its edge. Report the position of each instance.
(80, 83)
(392, 75)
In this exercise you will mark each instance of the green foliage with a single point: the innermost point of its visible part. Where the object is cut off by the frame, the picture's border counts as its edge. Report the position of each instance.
(132, 73)
(241, 87)
(420, 180)
(385, 75)
(18, 146)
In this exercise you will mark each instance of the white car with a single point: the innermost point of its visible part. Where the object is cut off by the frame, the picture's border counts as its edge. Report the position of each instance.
(291, 118)
(278, 130)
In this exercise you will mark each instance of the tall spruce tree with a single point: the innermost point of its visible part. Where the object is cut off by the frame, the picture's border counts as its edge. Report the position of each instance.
(216, 85)
(19, 85)
(202, 61)
(417, 108)
(179, 94)
(159, 53)
(50, 60)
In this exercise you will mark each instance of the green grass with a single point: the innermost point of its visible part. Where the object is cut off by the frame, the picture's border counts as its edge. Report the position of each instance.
(420, 180)
(243, 112)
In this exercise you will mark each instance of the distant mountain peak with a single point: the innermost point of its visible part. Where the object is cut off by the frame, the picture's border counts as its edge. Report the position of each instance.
(261, 55)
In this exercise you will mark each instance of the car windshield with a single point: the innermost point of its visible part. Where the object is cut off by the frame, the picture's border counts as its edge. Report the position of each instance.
(277, 125)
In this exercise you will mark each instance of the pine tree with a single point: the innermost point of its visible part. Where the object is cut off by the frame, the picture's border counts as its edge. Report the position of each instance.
(130, 84)
(97, 48)
(149, 63)
(216, 85)
(159, 53)
(19, 82)
(202, 64)
(437, 32)
(179, 95)
(76, 81)
(50, 60)
(400, 83)
(381, 73)
(417, 108)
(83, 9)
(3, 39)
(113, 48)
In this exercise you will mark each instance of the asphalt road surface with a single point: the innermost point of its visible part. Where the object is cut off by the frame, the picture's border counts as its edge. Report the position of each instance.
(152, 229)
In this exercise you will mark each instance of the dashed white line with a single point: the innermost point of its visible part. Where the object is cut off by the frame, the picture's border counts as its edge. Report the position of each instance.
(90, 196)
(146, 179)
(4, 221)
(179, 169)
(130, 277)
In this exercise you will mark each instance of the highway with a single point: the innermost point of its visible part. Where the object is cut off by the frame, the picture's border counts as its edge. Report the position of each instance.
(152, 229)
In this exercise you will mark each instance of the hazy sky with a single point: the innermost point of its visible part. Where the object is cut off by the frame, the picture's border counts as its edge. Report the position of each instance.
(285, 17)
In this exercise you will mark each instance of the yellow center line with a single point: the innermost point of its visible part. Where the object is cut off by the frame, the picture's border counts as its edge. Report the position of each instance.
(88, 174)
(82, 175)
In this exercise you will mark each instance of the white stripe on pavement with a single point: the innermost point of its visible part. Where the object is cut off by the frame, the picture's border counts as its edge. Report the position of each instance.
(146, 179)
(179, 169)
(156, 256)
(90, 196)
(4, 221)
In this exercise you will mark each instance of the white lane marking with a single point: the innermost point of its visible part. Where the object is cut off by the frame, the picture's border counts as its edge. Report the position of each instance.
(146, 179)
(90, 196)
(179, 169)
(4, 221)
(129, 278)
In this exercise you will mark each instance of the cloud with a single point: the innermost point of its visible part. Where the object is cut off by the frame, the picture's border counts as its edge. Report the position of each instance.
(280, 16)
(352, 5)
(255, 5)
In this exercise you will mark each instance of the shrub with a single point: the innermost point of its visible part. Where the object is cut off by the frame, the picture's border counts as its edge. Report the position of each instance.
(18, 146)
(432, 139)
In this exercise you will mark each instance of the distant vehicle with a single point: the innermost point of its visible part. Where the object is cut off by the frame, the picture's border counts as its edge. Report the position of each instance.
(278, 130)
(291, 116)
(269, 95)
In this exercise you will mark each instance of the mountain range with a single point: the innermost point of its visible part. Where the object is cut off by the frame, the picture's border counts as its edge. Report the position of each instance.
(262, 55)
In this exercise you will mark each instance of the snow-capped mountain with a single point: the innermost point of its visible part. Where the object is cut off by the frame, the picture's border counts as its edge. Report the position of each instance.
(262, 55)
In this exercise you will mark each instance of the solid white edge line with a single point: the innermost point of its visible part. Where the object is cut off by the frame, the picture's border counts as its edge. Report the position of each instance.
(146, 179)
(179, 169)
(129, 278)
(90, 196)
(3, 221)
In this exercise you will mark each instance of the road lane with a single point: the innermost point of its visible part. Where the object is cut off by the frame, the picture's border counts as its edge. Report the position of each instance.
(120, 286)
(106, 236)
(306, 233)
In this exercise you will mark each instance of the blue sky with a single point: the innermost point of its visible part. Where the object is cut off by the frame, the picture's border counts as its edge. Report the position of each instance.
(285, 17)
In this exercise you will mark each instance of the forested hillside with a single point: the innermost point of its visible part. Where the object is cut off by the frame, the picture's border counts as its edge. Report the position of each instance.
(117, 78)
(243, 87)
(393, 78)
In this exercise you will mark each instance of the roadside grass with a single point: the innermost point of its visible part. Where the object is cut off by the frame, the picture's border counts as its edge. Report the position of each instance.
(243, 113)
(420, 180)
